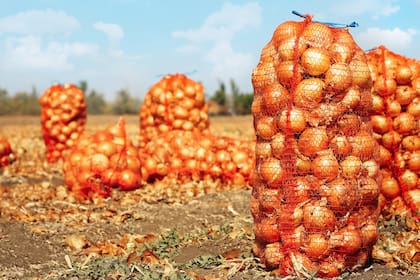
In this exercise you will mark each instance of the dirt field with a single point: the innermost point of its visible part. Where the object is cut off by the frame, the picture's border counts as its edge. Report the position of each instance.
(197, 230)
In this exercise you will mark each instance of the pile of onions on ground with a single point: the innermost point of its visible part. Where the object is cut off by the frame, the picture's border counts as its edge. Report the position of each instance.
(396, 123)
(63, 118)
(315, 183)
(7, 155)
(193, 155)
(174, 102)
(102, 161)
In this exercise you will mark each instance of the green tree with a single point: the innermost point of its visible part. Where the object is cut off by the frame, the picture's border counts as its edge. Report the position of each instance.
(220, 95)
(95, 103)
(83, 86)
(125, 104)
(4, 102)
(235, 94)
(243, 103)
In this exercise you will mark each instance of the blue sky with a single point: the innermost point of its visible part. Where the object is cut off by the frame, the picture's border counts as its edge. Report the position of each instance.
(130, 44)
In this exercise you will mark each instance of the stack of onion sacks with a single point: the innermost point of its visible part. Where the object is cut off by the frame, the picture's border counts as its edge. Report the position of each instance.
(7, 155)
(173, 103)
(102, 161)
(63, 118)
(192, 155)
(396, 123)
(315, 183)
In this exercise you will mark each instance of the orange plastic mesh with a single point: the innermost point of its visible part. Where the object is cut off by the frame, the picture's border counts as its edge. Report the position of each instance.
(188, 155)
(174, 102)
(315, 188)
(63, 118)
(396, 123)
(7, 155)
(102, 161)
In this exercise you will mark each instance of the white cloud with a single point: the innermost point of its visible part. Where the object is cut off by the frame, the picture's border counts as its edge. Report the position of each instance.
(36, 22)
(213, 41)
(375, 8)
(113, 31)
(223, 24)
(29, 52)
(394, 39)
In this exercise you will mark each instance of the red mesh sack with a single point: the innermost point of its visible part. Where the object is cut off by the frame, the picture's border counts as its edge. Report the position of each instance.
(174, 102)
(192, 155)
(315, 182)
(63, 118)
(7, 155)
(102, 161)
(396, 123)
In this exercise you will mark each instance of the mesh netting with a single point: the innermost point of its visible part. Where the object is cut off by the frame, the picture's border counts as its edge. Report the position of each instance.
(7, 155)
(315, 182)
(102, 161)
(63, 118)
(173, 103)
(396, 123)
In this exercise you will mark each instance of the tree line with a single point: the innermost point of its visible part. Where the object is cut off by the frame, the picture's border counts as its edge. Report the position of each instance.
(27, 103)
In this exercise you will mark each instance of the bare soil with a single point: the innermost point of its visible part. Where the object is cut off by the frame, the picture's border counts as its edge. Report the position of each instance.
(164, 231)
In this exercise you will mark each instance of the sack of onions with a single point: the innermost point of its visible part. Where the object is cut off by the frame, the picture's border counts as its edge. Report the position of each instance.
(315, 181)
(63, 118)
(396, 124)
(174, 102)
(102, 161)
(7, 155)
(193, 156)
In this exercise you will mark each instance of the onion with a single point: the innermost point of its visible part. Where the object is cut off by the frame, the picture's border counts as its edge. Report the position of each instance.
(393, 108)
(263, 149)
(411, 143)
(363, 145)
(274, 97)
(352, 98)
(378, 105)
(325, 167)
(318, 35)
(265, 127)
(371, 168)
(316, 245)
(99, 162)
(340, 53)
(346, 240)
(303, 166)
(405, 94)
(340, 194)
(308, 93)
(256, 106)
(403, 75)
(380, 124)
(273, 255)
(360, 73)
(128, 180)
(269, 199)
(369, 234)
(315, 61)
(368, 190)
(287, 48)
(285, 74)
(332, 266)
(385, 86)
(409, 180)
(390, 188)
(293, 120)
(286, 30)
(295, 238)
(318, 218)
(313, 140)
(414, 107)
(340, 145)
(351, 167)
(267, 230)
(405, 124)
(338, 77)
(391, 140)
(414, 161)
(278, 144)
(349, 124)
(272, 172)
